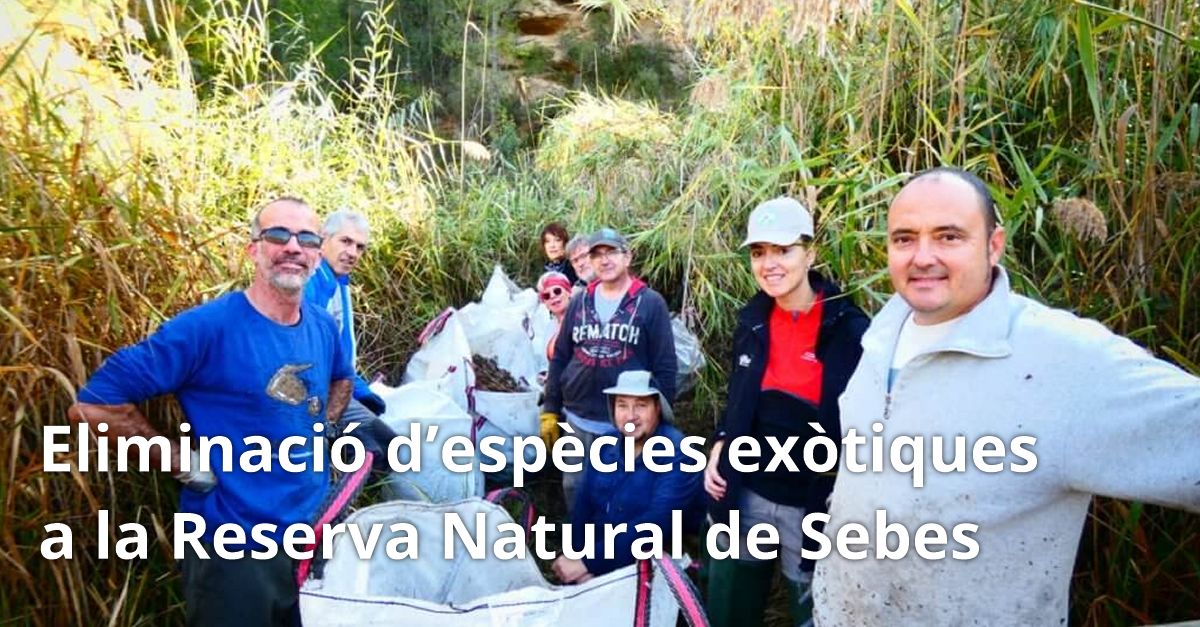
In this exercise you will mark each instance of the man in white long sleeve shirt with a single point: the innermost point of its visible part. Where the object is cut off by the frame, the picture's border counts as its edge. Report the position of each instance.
(956, 353)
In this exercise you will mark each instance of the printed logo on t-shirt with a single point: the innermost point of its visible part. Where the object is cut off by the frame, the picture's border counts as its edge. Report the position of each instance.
(809, 356)
(624, 333)
(287, 387)
(604, 345)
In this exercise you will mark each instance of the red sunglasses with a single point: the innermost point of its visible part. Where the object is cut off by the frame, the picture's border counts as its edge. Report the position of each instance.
(553, 292)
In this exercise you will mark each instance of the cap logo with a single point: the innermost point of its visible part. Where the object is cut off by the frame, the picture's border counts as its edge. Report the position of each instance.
(767, 218)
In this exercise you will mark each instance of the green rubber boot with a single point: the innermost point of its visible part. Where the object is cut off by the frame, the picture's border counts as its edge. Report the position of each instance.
(800, 602)
(738, 591)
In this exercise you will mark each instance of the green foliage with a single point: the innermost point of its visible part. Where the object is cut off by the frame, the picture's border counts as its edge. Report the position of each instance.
(627, 67)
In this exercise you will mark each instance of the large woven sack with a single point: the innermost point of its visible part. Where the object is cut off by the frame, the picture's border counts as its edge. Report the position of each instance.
(436, 591)
(423, 403)
(444, 356)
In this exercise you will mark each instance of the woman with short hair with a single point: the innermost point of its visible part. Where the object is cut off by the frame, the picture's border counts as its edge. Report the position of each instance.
(554, 246)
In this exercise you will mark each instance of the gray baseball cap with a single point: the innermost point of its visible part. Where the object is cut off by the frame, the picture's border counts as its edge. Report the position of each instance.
(781, 221)
(608, 237)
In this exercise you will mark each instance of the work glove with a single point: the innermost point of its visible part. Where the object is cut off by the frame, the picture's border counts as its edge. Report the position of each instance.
(549, 428)
(373, 403)
(195, 479)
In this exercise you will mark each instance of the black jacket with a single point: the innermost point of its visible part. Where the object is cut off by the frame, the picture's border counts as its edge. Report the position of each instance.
(562, 266)
(838, 349)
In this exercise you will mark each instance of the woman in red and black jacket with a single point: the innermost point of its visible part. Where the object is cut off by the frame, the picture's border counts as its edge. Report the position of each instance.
(795, 347)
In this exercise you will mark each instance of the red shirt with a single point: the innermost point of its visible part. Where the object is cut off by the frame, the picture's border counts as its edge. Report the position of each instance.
(792, 364)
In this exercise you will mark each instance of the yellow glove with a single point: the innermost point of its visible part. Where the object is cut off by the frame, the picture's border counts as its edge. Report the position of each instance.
(549, 421)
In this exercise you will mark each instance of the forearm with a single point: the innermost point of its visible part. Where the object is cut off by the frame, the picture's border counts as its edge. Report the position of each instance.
(339, 397)
(123, 421)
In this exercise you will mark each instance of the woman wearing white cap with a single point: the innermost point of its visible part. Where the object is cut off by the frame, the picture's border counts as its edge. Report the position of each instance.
(796, 345)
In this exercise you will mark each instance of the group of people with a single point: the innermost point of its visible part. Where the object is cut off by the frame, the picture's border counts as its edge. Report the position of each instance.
(953, 353)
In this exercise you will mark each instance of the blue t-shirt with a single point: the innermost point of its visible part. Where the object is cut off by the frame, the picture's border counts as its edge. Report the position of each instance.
(236, 373)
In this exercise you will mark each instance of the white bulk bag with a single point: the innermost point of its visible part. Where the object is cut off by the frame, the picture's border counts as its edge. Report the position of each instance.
(502, 292)
(499, 326)
(444, 357)
(503, 334)
(422, 402)
(513, 413)
(434, 591)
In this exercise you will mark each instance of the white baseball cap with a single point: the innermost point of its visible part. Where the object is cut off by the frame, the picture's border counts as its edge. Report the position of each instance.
(781, 221)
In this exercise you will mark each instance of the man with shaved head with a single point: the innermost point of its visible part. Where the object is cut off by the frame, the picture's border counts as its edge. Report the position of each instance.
(955, 353)
(258, 362)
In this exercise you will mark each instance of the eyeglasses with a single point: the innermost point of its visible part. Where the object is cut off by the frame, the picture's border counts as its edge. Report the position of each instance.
(281, 235)
(553, 292)
(605, 254)
(580, 257)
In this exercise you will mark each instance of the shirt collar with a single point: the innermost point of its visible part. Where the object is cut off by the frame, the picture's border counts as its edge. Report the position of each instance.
(342, 279)
(983, 331)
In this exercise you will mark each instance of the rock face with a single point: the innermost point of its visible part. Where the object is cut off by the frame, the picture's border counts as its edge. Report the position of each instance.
(545, 17)
(547, 47)
(522, 55)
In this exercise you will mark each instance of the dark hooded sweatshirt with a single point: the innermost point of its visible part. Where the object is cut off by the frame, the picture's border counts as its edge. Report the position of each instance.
(589, 353)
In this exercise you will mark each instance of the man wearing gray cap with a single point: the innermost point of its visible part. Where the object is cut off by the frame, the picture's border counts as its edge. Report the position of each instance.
(617, 324)
(796, 345)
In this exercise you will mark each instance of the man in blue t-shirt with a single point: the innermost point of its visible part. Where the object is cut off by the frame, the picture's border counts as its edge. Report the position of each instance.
(259, 362)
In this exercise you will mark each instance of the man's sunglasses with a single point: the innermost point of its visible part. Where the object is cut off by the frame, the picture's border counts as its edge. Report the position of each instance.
(552, 293)
(281, 236)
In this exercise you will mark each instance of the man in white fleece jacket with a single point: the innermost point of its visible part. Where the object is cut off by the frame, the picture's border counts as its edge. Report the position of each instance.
(956, 353)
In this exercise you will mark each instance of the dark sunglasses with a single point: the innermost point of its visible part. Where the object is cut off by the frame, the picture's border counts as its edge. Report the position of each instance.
(281, 236)
(553, 292)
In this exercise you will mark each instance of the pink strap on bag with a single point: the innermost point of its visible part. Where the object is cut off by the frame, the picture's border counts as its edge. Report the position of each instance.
(681, 587)
(337, 504)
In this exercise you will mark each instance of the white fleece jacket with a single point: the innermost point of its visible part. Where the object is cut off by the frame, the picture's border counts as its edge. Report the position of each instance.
(1109, 419)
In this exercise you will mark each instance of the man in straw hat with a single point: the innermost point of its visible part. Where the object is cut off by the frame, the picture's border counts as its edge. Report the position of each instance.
(638, 411)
